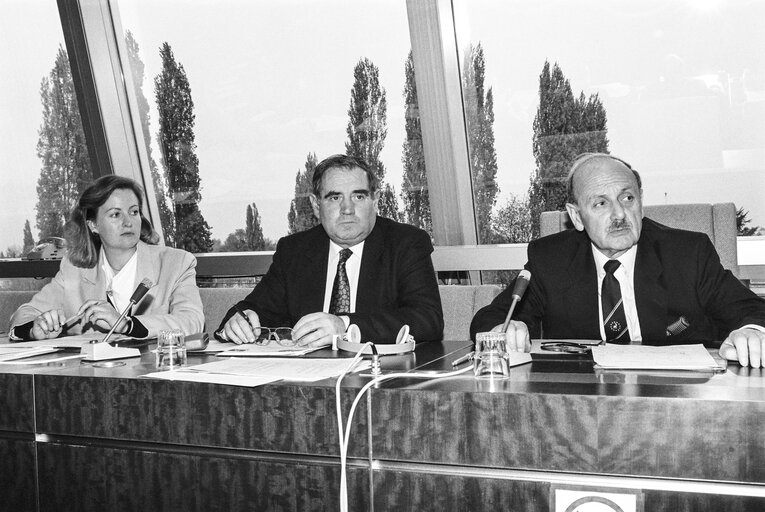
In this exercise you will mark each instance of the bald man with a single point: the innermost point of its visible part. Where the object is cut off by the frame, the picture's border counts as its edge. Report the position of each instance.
(623, 278)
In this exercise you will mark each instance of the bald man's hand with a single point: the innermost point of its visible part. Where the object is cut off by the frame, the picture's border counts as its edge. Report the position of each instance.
(746, 346)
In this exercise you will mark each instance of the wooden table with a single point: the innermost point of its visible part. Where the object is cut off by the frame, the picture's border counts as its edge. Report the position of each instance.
(78, 437)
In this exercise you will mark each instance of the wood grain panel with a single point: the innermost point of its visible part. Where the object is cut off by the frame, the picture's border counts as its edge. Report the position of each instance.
(656, 501)
(550, 432)
(17, 475)
(701, 439)
(402, 491)
(16, 404)
(83, 478)
(282, 417)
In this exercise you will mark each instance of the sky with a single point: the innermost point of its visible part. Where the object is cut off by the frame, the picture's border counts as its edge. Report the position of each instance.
(271, 82)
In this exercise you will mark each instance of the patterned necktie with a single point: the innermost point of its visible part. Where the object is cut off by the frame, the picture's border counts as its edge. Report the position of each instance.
(614, 319)
(340, 303)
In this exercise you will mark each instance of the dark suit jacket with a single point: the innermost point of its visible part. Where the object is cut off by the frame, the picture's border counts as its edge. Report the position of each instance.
(676, 273)
(397, 283)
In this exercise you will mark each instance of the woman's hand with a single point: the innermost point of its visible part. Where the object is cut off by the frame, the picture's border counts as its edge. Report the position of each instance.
(48, 325)
(101, 314)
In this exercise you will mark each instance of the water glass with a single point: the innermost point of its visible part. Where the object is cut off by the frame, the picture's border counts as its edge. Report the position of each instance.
(491, 359)
(171, 350)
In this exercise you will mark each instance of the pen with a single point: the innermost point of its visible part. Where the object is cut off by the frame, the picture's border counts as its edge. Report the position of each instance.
(241, 312)
(465, 358)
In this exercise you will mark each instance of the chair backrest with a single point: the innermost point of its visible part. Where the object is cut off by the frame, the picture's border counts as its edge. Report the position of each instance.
(718, 221)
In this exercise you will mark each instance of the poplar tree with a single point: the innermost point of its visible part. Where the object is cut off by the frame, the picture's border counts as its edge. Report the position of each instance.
(62, 149)
(29, 241)
(479, 113)
(564, 127)
(368, 127)
(253, 229)
(176, 141)
(300, 216)
(415, 183)
(157, 176)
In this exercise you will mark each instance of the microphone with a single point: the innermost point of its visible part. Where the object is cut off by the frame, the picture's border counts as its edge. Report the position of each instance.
(138, 294)
(521, 283)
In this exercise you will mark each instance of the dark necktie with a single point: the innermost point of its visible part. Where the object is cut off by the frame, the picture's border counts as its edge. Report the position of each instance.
(340, 303)
(614, 319)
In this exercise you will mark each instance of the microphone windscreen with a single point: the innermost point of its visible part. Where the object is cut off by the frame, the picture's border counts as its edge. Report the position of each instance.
(521, 283)
(140, 291)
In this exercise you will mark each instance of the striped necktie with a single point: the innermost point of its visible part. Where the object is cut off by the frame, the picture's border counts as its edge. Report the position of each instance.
(614, 319)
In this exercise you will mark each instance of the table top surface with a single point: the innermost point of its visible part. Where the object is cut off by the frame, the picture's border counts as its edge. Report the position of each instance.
(547, 373)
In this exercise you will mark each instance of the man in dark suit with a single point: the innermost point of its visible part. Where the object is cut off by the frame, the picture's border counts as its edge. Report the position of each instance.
(355, 268)
(626, 279)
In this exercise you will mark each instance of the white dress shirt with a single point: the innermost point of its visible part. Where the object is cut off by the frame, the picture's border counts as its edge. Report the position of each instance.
(625, 274)
(119, 285)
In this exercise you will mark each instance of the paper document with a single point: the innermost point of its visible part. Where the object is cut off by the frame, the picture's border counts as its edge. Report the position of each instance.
(305, 370)
(271, 349)
(11, 352)
(645, 357)
(212, 378)
(67, 341)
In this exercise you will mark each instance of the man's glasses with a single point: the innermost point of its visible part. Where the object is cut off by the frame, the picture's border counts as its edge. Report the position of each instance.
(280, 335)
(566, 346)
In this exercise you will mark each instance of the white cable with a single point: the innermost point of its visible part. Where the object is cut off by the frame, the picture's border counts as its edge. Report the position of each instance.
(345, 437)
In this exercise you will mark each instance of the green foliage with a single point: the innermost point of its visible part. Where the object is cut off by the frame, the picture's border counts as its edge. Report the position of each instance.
(253, 229)
(62, 149)
(176, 140)
(564, 127)
(300, 216)
(511, 223)
(415, 184)
(29, 241)
(742, 219)
(235, 242)
(479, 113)
(157, 176)
(368, 127)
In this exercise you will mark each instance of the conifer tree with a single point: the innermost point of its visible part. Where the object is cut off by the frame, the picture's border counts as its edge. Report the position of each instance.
(368, 127)
(415, 184)
(253, 230)
(62, 149)
(479, 112)
(176, 140)
(300, 216)
(29, 241)
(564, 127)
(158, 178)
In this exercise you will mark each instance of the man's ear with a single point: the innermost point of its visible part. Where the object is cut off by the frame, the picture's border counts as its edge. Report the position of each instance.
(315, 205)
(576, 219)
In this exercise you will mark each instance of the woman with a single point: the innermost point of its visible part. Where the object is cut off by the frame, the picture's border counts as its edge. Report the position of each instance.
(111, 248)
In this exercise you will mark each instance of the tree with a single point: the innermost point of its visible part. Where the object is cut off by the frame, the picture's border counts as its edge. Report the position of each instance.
(511, 223)
(564, 127)
(62, 149)
(158, 178)
(300, 216)
(479, 113)
(367, 129)
(235, 242)
(742, 219)
(176, 140)
(253, 229)
(415, 184)
(29, 241)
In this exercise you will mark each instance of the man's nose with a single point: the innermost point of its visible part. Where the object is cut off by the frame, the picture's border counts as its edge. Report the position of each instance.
(346, 206)
(617, 211)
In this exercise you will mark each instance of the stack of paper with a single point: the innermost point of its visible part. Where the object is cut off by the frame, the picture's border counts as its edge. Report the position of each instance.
(258, 371)
(644, 357)
(11, 352)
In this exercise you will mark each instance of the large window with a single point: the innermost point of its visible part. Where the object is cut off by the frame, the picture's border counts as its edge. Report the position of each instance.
(42, 145)
(677, 88)
(239, 100)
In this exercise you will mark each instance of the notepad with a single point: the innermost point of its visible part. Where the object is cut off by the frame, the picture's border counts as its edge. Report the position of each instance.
(645, 357)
